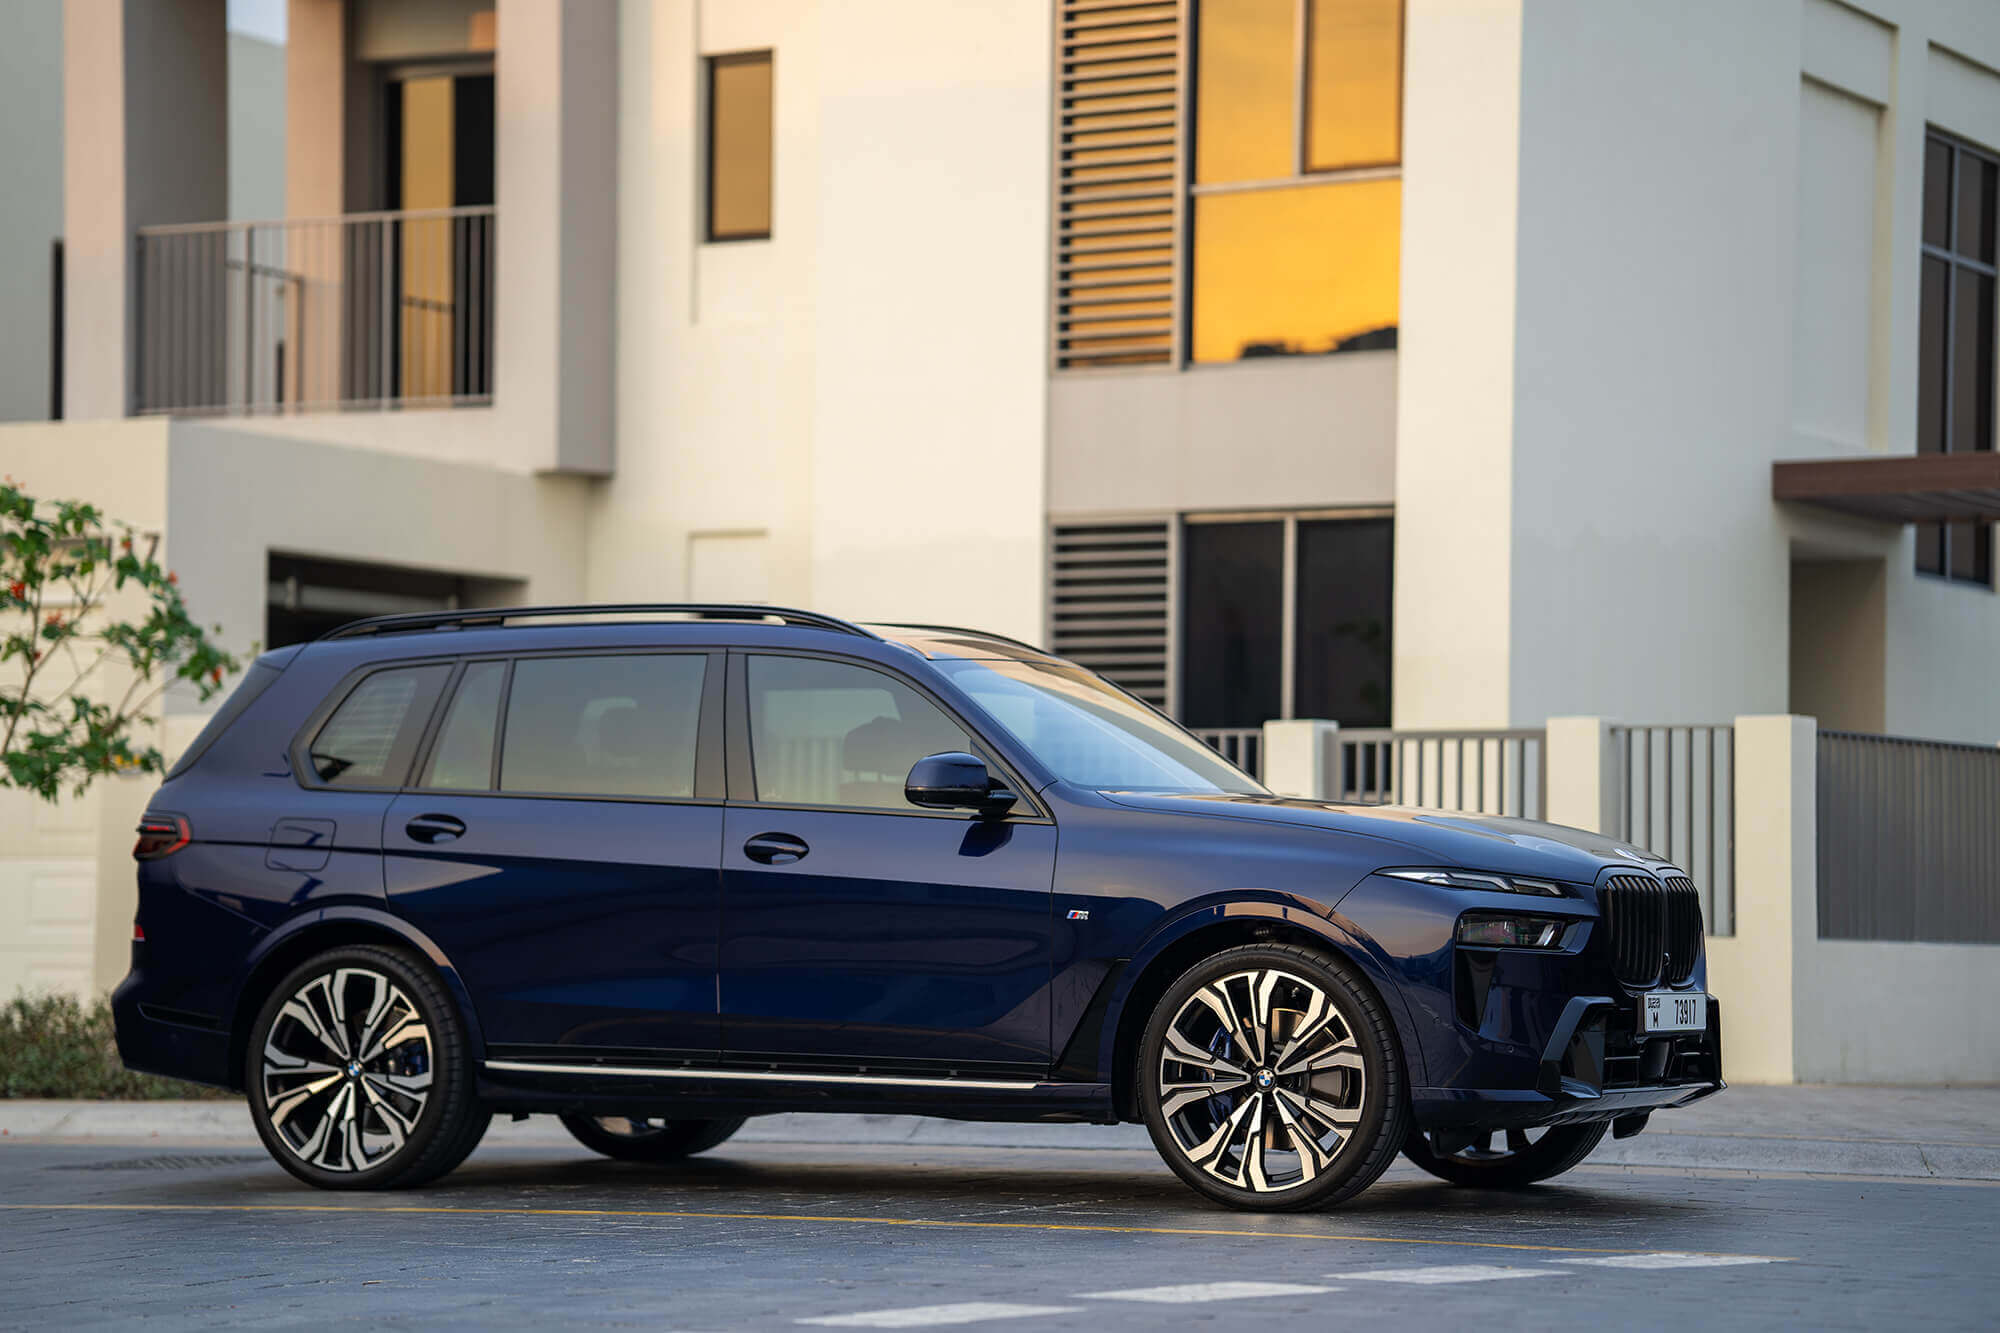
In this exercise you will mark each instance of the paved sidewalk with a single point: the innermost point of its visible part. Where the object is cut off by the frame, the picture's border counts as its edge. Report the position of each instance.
(1908, 1132)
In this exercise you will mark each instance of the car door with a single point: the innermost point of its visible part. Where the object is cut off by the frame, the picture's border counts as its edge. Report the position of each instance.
(560, 847)
(858, 929)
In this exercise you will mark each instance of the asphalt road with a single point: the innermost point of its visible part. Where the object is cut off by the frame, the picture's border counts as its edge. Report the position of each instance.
(771, 1235)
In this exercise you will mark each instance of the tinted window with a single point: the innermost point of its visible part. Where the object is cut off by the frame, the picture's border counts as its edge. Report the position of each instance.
(371, 737)
(462, 759)
(828, 733)
(260, 677)
(1344, 596)
(1233, 635)
(603, 726)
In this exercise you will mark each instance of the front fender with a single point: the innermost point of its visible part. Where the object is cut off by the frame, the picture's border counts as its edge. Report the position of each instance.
(1326, 927)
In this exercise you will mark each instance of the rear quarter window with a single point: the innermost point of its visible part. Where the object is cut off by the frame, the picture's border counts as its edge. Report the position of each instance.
(370, 739)
(260, 677)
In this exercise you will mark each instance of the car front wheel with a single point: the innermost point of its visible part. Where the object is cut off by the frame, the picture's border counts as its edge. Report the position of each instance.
(1270, 1079)
(358, 1073)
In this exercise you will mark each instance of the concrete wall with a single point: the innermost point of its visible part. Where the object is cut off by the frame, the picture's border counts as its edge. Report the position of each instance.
(1307, 432)
(31, 217)
(1462, 181)
(867, 387)
(256, 127)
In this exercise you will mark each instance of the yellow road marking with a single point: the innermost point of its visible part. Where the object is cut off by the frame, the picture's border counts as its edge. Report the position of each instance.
(814, 1217)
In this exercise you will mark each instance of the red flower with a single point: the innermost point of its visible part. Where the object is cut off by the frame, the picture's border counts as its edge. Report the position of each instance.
(18, 590)
(125, 543)
(55, 618)
(173, 577)
(216, 675)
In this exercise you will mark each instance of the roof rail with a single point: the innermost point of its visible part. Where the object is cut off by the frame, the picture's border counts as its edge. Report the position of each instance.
(483, 617)
(975, 633)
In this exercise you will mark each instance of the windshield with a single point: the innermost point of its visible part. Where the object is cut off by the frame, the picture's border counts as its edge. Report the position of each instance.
(1090, 733)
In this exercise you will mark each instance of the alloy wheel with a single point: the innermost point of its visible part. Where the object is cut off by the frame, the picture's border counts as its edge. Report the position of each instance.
(346, 1070)
(1262, 1083)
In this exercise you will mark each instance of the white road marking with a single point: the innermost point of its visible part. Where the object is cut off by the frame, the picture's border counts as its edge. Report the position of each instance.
(1441, 1273)
(926, 1316)
(1192, 1293)
(1671, 1259)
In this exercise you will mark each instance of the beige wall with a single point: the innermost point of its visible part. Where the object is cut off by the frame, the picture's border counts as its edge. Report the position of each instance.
(1463, 94)
(866, 387)
(1279, 433)
(1837, 643)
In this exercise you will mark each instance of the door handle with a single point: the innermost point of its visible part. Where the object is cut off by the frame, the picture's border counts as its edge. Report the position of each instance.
(434, 828)
(775, 849)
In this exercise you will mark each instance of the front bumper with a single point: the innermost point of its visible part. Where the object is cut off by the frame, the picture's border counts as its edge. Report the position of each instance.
(1595, 1066)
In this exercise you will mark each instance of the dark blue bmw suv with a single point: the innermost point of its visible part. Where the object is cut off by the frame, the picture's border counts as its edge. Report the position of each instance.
(654, 869)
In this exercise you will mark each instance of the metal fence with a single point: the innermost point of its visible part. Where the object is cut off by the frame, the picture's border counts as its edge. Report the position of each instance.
(367, 310)
(1241, 746)
(1909, 839)
(1476, 772)
(1676, 795)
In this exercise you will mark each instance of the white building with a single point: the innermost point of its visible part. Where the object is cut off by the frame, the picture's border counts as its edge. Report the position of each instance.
(1428, 363)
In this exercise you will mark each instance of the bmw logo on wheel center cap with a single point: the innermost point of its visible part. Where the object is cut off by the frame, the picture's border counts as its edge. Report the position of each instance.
(1265, 1078)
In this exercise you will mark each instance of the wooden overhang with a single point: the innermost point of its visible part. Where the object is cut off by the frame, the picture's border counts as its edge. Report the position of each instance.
(1897, 488)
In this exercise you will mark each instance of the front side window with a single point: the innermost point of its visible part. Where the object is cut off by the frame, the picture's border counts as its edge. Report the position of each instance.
(739, 146)
(1955, 349)
(832, 733)
(1298, 199)
(371, 738)
(1089, 733)
(613, 725)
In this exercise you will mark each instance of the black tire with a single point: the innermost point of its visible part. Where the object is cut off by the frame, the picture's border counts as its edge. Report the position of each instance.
(423, 1049)
(1521, 1163)
(1369, 1090)
(648, 1140)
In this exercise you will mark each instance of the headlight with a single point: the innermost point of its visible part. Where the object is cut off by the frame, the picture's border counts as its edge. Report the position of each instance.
(1466, 879)
(1511, 932)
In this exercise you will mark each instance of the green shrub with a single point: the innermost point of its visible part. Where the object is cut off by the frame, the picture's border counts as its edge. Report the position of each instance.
(52, 1046)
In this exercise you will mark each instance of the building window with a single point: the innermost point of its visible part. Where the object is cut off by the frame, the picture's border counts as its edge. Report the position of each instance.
(1955, 358)
(1285, 616)
(739, 147)
(1297, 208)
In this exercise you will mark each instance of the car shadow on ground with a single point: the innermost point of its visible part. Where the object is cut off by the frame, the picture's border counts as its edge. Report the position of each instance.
(796, 1184)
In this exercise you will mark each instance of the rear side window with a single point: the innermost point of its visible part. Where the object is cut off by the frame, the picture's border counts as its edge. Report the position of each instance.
(371, 738)
(462, 759)
(260, 677)
(621, 725)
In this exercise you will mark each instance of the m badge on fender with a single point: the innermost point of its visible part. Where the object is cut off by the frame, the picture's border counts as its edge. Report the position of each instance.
(1078, 914)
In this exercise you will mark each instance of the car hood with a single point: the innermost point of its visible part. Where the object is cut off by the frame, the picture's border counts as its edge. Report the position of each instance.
(1475, 842)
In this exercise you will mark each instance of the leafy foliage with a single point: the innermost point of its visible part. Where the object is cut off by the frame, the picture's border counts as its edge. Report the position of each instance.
(52, 1046)
(65, 719)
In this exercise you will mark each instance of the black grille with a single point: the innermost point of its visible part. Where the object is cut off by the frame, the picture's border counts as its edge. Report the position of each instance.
(1654, 928)
(1683, 929)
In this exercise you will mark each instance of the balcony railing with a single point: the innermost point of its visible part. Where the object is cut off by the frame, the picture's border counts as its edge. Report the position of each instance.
(371, 310)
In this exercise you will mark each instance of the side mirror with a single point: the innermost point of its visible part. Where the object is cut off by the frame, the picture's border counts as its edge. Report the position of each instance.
(956, 781)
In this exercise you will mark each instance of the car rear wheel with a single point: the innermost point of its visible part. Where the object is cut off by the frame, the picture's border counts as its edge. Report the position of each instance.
(648, 1139)
(1270, 1079)
(358, 1074)
(1506, 1159)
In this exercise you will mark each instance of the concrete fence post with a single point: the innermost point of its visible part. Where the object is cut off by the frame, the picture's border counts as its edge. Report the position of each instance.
(1300, 757)
(1582, 774)
(1755, 974)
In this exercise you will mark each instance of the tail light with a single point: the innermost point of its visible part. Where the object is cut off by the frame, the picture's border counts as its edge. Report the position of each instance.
(160, 835)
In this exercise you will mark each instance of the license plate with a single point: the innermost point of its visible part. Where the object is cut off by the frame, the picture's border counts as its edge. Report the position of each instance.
(1673, 1011)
